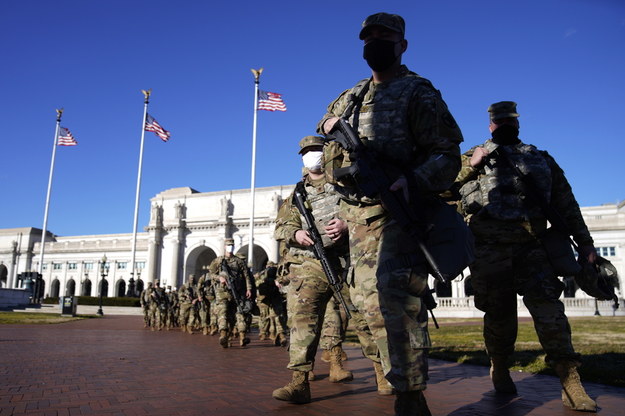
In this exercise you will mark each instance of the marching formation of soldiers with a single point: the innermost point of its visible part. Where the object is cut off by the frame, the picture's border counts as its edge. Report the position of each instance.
(210, 306)
(384, 184)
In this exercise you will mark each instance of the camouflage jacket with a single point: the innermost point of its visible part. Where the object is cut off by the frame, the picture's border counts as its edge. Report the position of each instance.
(409, 127)
(495, 204)
(241, 274)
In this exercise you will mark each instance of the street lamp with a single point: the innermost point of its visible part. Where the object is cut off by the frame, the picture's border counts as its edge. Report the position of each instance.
(103, 274)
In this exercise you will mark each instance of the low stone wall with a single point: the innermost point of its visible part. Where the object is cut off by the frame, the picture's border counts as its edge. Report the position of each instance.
(465, 308)
(11, 298)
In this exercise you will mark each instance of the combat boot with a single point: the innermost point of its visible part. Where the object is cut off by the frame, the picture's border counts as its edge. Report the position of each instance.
(190, 329)
(384, 387)
(337, 372)
(205, 330)
(281, 340)
(213, 330)
(573, 393)
(411, 403)
(297, 391)
(224, 341)
(262, 337)
(500, 375)
(325, 356)
(243, 340)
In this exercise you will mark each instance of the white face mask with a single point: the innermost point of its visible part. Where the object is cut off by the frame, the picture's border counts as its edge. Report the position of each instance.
(229, 249)
(312, 160)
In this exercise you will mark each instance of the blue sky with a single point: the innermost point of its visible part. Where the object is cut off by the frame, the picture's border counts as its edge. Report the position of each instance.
(563, 61)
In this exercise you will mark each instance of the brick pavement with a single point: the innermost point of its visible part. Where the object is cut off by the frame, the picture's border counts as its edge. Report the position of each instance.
(112, 366)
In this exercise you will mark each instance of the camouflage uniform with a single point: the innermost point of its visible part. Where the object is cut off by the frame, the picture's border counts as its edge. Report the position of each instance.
(308, 291)
(187, 297)
(172, 308)
(158, 306)
(407, 124)
(508, 225)
(272, 319)
(227, 311)
(144, 300)
(510, 258)
(204, 288)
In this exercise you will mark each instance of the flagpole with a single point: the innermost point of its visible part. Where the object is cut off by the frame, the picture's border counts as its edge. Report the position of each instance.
(250, 249)
(59, 113)
(136, 217)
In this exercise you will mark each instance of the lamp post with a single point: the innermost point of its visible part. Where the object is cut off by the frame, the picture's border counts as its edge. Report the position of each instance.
(597, 308)
(103, 274)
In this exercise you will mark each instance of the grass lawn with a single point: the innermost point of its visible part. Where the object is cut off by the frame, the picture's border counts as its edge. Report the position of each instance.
(600, 340)
(38, 318)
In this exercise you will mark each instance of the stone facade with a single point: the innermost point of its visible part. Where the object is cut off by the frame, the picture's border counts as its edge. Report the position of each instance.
(186, 232)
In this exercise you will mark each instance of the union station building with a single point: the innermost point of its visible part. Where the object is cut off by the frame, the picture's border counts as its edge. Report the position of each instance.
(186, 231)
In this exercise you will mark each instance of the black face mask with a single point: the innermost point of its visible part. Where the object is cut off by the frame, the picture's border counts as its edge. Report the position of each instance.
(506, 134)
(379, 54)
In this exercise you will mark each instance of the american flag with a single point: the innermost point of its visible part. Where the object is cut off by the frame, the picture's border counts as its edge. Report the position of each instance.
(152, 125)
(65, 138)
(270, 101)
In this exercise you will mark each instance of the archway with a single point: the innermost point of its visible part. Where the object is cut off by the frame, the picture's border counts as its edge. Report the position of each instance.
(4, 273)
(70, 288)
(260, 256)
(55, 288)
(197, 262)
(86, 288)
(120, 288)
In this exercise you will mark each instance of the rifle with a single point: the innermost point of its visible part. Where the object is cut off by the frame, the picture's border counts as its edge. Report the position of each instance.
(230, 284)
(372, 179)
(299, 196)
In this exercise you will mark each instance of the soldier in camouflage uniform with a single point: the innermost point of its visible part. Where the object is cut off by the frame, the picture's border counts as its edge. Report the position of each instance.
(187, 298)
(308, 291)
(172, 308)
(233, 267)
(272, 318)
(508, 225)
(144, 300)
(204, 287)
(158, 306)
(403, 119)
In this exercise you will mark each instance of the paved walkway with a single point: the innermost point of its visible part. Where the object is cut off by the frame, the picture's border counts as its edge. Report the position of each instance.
(112, 366)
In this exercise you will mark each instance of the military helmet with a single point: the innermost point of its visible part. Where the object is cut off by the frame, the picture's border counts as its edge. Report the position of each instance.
(393, 22)
(271, 264)
(310, 141)
(502, 109)
(157, 282)
(599, 279)
(229, 241)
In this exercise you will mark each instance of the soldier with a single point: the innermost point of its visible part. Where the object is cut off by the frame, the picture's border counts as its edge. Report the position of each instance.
(158, 306)
(172, 308)
(233, 281)
(272, 319)
(504, 213)
(144, 300)
(187, 299)
(407, 125)
(203, 304)
(308, 291)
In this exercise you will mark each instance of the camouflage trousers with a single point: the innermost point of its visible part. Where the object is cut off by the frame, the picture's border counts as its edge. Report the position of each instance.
(187, 314)
(228, 316)
(203, 314)
(272, 319)
(335, 323)
(499, 273)
(307, 296)
(212, 310)
(146, 314)
(157, 315)
(389, 274)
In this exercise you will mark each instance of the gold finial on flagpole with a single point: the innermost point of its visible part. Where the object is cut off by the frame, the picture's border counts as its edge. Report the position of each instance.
(59, 113)
(257, 73)
(147, 94)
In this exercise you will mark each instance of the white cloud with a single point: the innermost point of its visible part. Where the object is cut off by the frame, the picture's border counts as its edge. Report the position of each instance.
(570, 32)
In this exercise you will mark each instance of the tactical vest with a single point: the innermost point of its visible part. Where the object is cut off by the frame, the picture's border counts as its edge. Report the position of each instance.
(499, 193)
(325, 206)
(383, 118)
